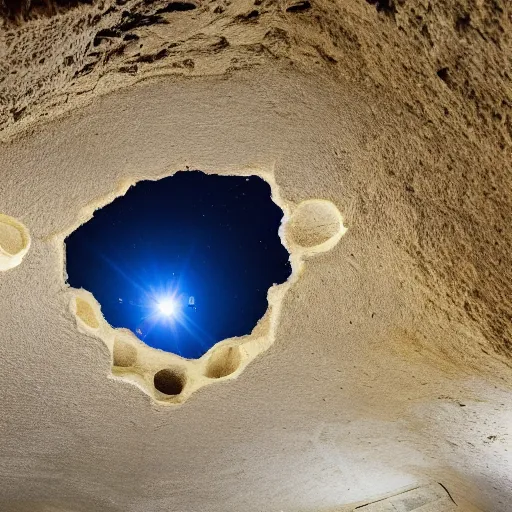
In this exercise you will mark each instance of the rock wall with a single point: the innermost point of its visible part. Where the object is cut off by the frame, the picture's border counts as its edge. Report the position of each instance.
(440, 73)
(391, 363)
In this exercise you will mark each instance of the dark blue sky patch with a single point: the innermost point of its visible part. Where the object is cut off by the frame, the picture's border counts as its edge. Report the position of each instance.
(183, 262)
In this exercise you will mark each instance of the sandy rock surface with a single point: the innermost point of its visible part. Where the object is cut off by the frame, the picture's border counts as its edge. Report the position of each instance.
(392, 362)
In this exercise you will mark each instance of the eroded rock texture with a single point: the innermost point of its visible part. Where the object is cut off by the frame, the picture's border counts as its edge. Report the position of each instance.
(420, 170)
(440, 72)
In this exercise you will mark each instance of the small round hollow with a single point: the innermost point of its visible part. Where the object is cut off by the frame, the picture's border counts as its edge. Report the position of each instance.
(86, 313)
(169, 381)
(14, 242)
(125, 355)
(223, 362)
(313, 223)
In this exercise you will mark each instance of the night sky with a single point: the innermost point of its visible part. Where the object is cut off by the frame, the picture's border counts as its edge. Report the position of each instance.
(202, 246)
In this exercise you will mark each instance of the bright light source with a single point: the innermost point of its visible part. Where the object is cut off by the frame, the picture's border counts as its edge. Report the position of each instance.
(167, 307)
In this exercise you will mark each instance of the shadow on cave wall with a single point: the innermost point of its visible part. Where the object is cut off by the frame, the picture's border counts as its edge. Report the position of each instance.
(17, 10)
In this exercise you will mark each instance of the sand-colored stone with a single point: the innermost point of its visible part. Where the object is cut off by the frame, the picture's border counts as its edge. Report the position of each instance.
(14, 242)
(389, 362)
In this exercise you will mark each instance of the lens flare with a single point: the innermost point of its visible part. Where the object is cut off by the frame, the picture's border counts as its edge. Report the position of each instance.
(167, 307)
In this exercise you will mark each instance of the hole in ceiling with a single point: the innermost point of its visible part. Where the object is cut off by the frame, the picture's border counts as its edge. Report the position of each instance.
(169, 381)
(183, 262)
